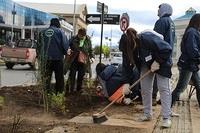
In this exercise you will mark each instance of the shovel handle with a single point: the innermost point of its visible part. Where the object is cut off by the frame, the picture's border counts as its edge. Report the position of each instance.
(122, 96)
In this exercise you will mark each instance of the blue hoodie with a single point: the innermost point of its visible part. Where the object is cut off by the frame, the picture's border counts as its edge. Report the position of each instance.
(53, 43)
(164, 25)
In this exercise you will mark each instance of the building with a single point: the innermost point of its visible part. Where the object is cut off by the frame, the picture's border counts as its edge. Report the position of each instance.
(24, 22)
(65, 11)
(180, 25)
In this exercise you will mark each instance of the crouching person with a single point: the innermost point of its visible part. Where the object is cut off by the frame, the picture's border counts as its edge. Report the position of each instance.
(113, 84)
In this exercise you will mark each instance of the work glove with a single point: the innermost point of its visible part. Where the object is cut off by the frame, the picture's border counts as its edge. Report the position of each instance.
(127, 101)
(92, 60)
(155, 66)
(69, 51)
(126, 89)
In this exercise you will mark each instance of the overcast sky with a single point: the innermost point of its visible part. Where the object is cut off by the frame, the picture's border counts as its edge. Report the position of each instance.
(142, 13)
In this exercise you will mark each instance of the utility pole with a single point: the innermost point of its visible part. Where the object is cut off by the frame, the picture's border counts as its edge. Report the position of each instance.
(74, 18)
(13, 13)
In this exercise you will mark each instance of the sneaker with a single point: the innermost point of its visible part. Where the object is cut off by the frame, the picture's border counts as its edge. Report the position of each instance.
(173, 114)
(166, 123)
(145, 118)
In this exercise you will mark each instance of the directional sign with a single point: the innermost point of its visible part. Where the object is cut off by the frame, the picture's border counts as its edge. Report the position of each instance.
(108, 19)
(99, 7)
(111, 19)
(93, 18)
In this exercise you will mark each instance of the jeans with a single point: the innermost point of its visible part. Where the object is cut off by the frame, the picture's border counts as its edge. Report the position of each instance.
(184, 78)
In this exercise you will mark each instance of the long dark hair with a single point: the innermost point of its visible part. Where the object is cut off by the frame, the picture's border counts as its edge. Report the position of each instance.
(194, 23)
(131, 44)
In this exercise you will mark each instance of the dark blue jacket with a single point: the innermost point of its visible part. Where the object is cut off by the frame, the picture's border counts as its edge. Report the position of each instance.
(153, 48)
(113, 78)
(190, 50)
(165, 26)
(53, 43)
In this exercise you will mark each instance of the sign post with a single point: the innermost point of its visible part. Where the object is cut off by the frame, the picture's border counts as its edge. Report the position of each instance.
(102, 20)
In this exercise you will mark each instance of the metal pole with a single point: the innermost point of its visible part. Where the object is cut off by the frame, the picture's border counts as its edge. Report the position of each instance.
(74, 18)
(102, 20)
(13, 13)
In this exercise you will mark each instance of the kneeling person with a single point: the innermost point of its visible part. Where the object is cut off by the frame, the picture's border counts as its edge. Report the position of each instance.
(114, 85)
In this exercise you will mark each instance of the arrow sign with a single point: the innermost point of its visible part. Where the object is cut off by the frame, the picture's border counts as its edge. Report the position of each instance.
(93, 18)
(108, 19)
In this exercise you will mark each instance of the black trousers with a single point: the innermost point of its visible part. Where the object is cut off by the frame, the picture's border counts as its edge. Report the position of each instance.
(155, 89)
(55, 66)
(80, 68)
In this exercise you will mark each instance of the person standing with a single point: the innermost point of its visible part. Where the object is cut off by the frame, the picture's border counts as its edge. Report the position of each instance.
(155, 55)
(52, 46)
(164, 26)
(188, 63)
(82, 56)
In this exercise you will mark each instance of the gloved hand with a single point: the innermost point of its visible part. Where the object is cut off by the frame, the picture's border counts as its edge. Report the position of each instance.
(127, 101)
(155, 66)
(92, 60)
(69, 51)
(126, 89)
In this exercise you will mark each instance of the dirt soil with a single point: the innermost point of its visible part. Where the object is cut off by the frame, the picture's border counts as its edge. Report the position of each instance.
(23, 110)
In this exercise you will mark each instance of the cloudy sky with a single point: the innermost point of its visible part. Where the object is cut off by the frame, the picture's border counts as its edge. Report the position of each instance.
(142, 13)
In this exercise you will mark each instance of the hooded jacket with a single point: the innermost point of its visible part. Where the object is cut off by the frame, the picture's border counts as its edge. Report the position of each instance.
(164, 25)
(113, 79)
(52, 43)
(151, 48)
(190, 50)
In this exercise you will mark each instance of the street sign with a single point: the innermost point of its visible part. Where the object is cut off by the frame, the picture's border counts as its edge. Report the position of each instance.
(93, 18)
(111, 19)
(108, 19)
(124, 22)
(99, 7)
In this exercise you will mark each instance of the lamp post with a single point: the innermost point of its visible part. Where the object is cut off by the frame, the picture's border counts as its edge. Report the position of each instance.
(74, 18)
(13, 13)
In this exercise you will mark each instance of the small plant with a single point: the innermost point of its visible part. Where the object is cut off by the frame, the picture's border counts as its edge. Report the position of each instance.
(17, 120)
(58, 101)
(1, 101)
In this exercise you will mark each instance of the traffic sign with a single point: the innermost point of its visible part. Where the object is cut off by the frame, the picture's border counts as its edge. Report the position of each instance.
(108, 18)
(124, 22)
(99, 7)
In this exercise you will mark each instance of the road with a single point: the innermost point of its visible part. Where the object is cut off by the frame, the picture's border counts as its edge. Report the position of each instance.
(19, 75)
(22, 75)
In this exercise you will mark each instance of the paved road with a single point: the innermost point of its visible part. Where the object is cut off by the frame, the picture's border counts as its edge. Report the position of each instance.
(19, 75)
(22, 75)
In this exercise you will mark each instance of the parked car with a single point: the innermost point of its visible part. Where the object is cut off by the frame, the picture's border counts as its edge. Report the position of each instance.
(22, 52)
(115, 58)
